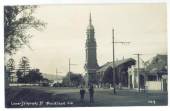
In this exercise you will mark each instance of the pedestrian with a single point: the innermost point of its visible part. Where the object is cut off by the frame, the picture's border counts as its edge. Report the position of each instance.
(91, 93)
(82, 93)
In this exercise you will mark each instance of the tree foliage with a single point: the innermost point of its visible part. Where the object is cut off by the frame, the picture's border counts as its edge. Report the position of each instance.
(27, 75)
(24, 66)
(158, 62)
(72, 79)
(19, 75)
(158, 65)
(17, 21)
(33, 76)
(10, 66)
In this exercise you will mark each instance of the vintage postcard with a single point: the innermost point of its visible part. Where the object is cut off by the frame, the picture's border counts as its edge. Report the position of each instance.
(85, 55)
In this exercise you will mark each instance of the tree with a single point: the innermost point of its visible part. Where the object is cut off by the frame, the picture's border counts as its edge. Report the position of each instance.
(17, 21)
(19, 76)
(10, 66)
(75, 79)
(24, 66)
(159, 62)
(33, 76)
(158, 65)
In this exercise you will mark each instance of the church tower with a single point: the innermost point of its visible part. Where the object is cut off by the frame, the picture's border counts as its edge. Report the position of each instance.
(91, 57)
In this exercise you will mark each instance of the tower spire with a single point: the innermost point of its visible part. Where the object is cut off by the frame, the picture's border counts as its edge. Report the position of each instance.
(90, 21)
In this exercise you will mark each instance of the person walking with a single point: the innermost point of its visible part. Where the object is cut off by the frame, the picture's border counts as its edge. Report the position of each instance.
(82, 93)
(91, 93)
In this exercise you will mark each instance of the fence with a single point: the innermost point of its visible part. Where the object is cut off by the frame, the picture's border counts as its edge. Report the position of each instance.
(154, 85)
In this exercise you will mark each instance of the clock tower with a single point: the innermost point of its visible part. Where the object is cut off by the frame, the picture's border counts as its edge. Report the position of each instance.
(91, 64)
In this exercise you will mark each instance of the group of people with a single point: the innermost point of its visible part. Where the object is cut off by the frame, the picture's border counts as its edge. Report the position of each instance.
(91, 93)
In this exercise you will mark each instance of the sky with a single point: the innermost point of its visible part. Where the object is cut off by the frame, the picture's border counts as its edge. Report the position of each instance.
(143, 25)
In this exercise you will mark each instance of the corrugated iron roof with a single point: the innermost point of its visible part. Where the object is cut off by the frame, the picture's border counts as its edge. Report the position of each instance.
(117, 63)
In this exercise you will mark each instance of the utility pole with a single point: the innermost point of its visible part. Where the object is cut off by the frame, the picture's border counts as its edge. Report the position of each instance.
(57, 73)
(138, 56)
(114, 72)
(69, 72)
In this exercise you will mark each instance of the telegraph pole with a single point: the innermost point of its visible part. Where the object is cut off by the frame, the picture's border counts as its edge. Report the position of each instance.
(114, 86)
(138, 56)
(69, 72)
(114, 72)
(57, 73)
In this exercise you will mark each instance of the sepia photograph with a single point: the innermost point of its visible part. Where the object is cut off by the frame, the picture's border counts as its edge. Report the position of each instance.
(85, 55)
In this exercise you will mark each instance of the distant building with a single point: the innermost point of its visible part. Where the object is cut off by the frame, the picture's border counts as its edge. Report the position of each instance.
(105, 72)
(133, 77)
(153, 76)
